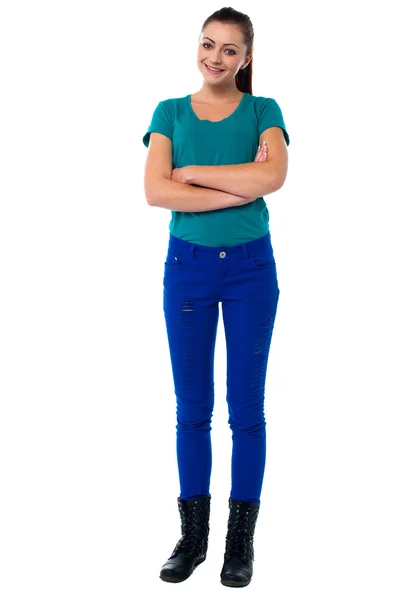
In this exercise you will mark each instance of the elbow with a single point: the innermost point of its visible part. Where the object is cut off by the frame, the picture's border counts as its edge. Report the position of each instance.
(278, 180)
(272, 185)
(150, 200)
(151, 197)
(278, 184)
(273, 182)
(281, 175)
(155, 192)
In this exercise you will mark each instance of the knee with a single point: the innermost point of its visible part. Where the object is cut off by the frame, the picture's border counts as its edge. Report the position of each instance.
(194, 415)
(249, 427)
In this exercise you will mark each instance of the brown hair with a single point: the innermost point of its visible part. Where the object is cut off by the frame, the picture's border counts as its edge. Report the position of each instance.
(230, 16)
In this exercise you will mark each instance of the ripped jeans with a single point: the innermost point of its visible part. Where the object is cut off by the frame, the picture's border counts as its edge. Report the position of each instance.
(244, 279)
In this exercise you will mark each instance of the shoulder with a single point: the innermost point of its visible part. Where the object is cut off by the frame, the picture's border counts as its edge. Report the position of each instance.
(172, 107)
(264, 101)
(266, 107)
(169, 103)
(269, 115)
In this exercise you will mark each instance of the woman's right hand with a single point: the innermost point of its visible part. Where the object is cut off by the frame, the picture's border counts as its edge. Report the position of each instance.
(261, 154)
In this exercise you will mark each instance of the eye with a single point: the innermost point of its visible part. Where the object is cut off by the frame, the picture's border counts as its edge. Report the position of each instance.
(228, 49)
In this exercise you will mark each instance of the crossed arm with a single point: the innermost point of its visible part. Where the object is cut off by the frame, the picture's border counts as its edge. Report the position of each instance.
(252, 180)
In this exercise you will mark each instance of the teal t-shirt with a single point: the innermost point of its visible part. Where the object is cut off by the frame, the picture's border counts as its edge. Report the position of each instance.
(232, 140)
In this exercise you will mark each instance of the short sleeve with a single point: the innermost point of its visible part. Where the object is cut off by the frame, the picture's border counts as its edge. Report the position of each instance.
(160, 123)
(270, 115)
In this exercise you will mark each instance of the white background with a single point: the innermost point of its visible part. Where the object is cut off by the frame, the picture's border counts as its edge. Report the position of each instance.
(88, 471)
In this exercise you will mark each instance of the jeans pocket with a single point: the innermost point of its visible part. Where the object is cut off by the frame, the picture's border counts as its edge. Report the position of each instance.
(172, 260)
(263, 261)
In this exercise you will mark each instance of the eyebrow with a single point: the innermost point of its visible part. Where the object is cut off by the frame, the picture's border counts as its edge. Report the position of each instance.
(213, 41)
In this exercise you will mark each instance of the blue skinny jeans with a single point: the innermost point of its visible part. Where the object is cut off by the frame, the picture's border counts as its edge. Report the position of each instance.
(243, 279)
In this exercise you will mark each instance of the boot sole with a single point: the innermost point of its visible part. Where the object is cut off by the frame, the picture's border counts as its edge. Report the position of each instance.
(234, 583)
(178, 580)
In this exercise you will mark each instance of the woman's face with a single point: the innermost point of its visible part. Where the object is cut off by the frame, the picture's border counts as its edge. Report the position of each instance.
(221, 46)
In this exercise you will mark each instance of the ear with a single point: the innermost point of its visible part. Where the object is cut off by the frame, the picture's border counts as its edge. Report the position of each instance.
(248, 60)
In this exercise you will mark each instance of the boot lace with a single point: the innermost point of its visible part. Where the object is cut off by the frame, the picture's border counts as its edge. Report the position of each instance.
(239, 539)
(194, 529)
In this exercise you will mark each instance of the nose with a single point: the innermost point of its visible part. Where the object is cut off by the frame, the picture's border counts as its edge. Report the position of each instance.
(215, 58)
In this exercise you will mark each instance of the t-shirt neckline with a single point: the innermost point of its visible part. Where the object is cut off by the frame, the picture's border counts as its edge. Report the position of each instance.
(237, 109)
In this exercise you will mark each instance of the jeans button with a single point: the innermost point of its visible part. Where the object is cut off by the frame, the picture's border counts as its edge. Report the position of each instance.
(222, 254)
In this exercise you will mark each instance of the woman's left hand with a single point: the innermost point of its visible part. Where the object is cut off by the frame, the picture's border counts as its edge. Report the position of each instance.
(179, 175)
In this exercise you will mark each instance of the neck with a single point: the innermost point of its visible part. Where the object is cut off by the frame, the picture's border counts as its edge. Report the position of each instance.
(213, 93)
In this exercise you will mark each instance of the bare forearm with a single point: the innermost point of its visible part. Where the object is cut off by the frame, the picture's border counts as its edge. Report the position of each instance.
(189, 198)
(255, 179)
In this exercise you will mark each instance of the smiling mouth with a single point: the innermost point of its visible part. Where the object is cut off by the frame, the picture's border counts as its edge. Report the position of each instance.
(211, 70)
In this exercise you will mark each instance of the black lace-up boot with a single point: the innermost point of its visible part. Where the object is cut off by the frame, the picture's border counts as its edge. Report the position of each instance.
(192, 547)
(239, 554)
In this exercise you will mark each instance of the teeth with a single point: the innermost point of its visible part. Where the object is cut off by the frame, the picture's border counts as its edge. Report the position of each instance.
(212, 69)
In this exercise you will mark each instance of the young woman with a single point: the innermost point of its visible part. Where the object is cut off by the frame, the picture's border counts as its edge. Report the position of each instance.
(213, 156)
